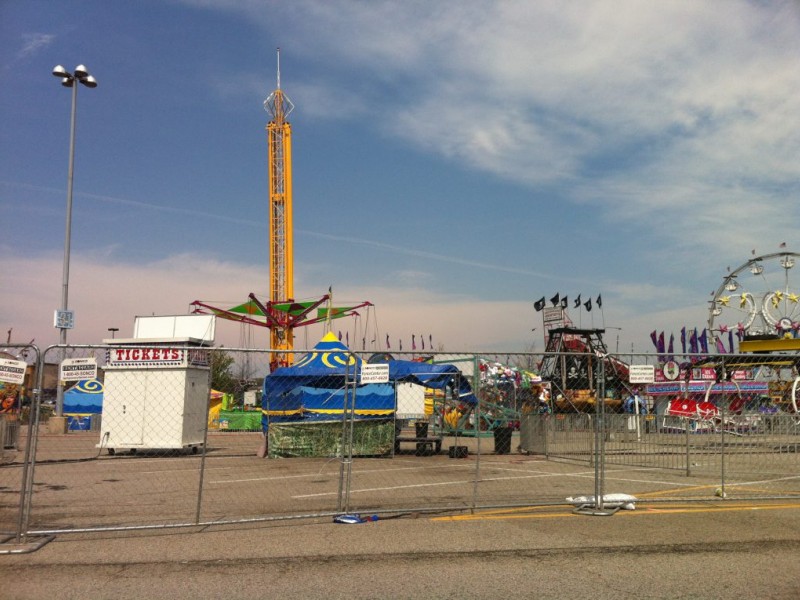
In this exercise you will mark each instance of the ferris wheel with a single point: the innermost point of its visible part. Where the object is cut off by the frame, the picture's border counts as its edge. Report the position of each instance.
(761, 297)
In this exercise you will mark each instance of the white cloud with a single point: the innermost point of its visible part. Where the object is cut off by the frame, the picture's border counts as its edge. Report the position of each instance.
(700, 95)
(32, 43)
(107, 293)
(699, 99)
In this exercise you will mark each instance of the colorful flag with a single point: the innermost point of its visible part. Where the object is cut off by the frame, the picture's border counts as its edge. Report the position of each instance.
(693, 342)
(730, 341)
(539, 304)
(654, 338)
(704, 341)
(670, 350)
(683, 339)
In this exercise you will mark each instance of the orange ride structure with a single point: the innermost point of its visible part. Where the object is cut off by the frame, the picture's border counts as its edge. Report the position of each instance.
(281, 313)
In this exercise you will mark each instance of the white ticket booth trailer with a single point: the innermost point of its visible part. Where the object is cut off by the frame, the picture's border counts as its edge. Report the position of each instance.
(157, 386)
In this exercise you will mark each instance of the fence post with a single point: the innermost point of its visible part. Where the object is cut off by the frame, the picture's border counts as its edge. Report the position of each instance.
(26, 487)
(600, 464)
(203, 455)
(688, 454)
(348, 407)
(477, 415)
(725, 406)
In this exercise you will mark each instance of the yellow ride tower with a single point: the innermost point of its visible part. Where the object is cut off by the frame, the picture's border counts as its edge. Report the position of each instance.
(281, 313)
(281, 241)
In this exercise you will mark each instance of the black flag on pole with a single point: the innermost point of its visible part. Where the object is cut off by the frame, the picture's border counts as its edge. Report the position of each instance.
(555, 299)
(578, 302)
(599, 301)
(588, 305)
(539, 304)
(564, 302)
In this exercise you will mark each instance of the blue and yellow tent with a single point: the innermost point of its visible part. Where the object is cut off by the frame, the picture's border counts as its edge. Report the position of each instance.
(313, 388)
(81, 402)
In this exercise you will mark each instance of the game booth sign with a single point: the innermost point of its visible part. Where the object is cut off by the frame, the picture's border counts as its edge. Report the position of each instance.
(303, 406)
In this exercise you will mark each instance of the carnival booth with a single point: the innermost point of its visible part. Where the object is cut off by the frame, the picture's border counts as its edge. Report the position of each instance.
(157, 385)
(83, 405)
(303, 406)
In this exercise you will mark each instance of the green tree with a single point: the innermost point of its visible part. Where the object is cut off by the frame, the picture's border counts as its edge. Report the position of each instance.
(222, 379)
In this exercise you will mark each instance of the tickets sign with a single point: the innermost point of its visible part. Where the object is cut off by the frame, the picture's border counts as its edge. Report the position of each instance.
(144, 357)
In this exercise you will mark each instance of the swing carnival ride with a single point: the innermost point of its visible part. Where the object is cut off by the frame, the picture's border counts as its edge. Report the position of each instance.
(282, 313)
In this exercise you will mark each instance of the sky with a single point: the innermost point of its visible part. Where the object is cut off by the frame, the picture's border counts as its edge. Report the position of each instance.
(453, 162)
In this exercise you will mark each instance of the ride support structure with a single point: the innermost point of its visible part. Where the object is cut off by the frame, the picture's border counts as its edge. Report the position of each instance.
(281, 240)
(281, 313)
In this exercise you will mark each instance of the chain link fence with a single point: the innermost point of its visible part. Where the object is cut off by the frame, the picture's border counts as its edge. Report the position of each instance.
(173, 436)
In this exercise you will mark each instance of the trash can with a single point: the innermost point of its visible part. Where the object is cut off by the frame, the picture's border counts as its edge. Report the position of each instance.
(95, 422)
(421, 429)
(502, 439)
(10, 435)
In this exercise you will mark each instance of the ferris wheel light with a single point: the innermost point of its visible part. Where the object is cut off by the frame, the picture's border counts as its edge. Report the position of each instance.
(756, 269)
(732, 286)
(787, 262)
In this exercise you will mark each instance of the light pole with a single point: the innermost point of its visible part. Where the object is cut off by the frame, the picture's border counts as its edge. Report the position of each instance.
(618, 330)
(64, 319)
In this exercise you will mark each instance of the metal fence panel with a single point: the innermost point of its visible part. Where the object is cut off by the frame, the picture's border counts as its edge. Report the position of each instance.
(17, 400)
(179, 441)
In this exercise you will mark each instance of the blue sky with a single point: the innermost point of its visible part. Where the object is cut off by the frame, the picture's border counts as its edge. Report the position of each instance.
(453, 161)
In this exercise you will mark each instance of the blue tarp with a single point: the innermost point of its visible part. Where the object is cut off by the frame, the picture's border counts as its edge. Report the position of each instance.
(317, 380)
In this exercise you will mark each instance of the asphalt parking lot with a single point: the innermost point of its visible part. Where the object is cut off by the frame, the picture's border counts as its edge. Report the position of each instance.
(718, 549)
(668, 547)
(77, 486)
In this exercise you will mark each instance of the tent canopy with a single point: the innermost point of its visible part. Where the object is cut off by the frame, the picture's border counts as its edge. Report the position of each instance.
(291, 392)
